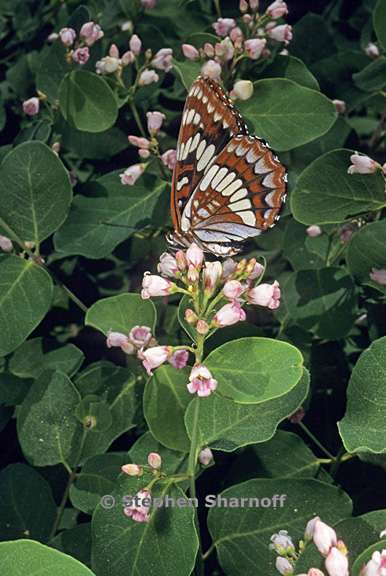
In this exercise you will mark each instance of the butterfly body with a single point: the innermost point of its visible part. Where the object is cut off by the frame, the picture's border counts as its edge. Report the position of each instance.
(227, 185)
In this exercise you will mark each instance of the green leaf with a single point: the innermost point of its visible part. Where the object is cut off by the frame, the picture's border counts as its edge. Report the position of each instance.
(52, 69)
(226, 425)
(29, 361)
(325, 193)
(366, 556)
(286, 114)
(122, 546)
(35, 192)
(367, 250)
(25, 297)
(379, 22)
(173, 462)
(270, 369)
(363, 426)
(322, 301)
(187, 71)
(361, 532)
(316, 27)
(373, 77)
(96, 146)
(48, 430)
(87, 101)
(121, 313)
(28, 557)
(75, 542)
(293, 69)
(24, 494)
(164, 402)
(242, 534)
(97, 224)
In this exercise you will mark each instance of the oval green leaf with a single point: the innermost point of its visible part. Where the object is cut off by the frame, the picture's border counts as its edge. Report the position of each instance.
(367, 250)
(379, 22)
(121, 313)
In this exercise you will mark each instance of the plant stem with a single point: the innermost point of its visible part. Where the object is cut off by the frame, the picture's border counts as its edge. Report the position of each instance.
(72, 296)
(62, 505)
(316, 441)
(137, 118)
(218, 8)
(377, 134)
(211, 549)
(193, 454)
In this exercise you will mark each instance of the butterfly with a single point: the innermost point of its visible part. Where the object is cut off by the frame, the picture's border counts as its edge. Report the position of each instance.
(227, 185)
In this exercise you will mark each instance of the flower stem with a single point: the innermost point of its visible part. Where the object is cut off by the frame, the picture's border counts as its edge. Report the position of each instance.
(137, 118)
(316, 441)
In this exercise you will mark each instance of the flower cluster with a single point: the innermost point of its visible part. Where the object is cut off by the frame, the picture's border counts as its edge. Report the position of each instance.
(376, 566)
(247, 38)
(78, 47)
(325, 539)
(139, 507)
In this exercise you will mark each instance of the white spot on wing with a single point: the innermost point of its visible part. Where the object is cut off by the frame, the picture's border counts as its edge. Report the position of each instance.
(219, 176)
(227, 180)
(206, 157)
(239, 195)
(240, 205)
(210, 108)
(197, 118)
(228, 191)
(268, 181)
(252, 156)
(194, 143)
(181, 183)
(216, 116)
(269, 198)
(208, 177)
(201, 149)
(190, 115)
(261, 167)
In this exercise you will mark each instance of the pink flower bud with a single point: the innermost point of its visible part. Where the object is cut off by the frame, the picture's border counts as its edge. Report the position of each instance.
(297, 416)
(247, 18)
(336, 563)
(223, 26)
(257, 271)
(228, 315)
(282, 33)
(107, 65)
(52, 37)
(167, 265)
(212, 274)
(190, 52)
(202, 327)
(154, 121)
(31, 106)
(340, 106)
(113, 51)
(211, 69)
(372, 50)
(135, 44)
(81, 55)
(243, 6)
(139, 509)
(309, 531)
(205, 457)
(233, 289)
(237, 36)
(378, 276)
(179, 359)
(117, 339)
(193, 274)
(91, 33)
(201, 381)
(5, 244)
(140, 336)
(154, 357)
(148, 4)
(181, 261)
(139, 141)
(284, 566)
(254, 4)
(163, 59)
(127, 26)
(282, 543)
(254, 47)
(324, 537)
(154, 460)
(67, 36)
(144, 153)
(127, 58)
(154, 285)
(169, 158)
(195, 256)
(277, 9)
(148, 77)
(242, 89)
(362, 164)
(265, 295)
(313, 231)
(224, 50)
(131, 174)
(132, 469)
(375, 566)
(209, 49)
(190, 316)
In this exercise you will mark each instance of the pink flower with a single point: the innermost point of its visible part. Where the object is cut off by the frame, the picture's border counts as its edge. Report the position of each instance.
(284, 566)
(139, 141)
(254, 47)
(224, 50)
(313, 231)
(113, 51)
(179, 359)
(135, 44)
(131, 174)
(205, 457)
(202, 327)
(324, 537)
(254, 4)
(154, 357)
(140, 336)
(52, 37)
(31, 106)
(190, 316)
(282, 33)
(148, 77)
(257, 271)
(372, 50)
(169, 158)
(190, 52)
(209, 49)
(153, 285)
(277, 9)
(163, 59)
(362, 164)
(193, 274)
(211, 69)
(107, 65)
(148, 3)
(194, 256)
(91, 33)
(167, 265)
(336, 563)
(154, 121)
(5, 244)
(378, 276)
(229, 314)
(201, 381)
(127, 58)
(309, 531)
(376, 566)
(117, 339)
(81, 55)
(223, 26)
(132, 469)
(265, 295)
(212, 274)
(297, 416)
(154, 460)
(243, 6)
(340, 106)
(237, 37)
(242, 89)
(139, 509)
(282, 543)
(233, 289)
(144, 153)
(314, 572)
(181, 260)
(67, 36)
